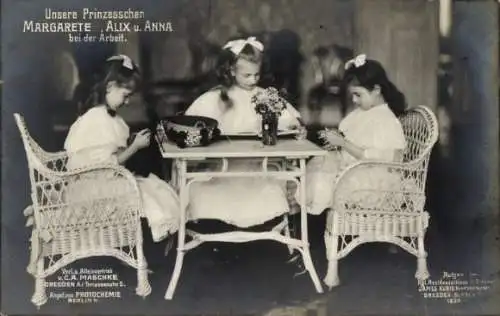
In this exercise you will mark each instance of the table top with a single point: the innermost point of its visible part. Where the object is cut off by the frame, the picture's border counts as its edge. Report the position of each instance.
(244, 149)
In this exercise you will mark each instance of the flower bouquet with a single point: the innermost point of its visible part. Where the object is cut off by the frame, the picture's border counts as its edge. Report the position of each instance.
(269, 104)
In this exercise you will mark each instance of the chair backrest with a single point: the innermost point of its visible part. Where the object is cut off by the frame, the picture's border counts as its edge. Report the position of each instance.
(32, 149)
(57, 195)
(421, 132)
(44, 168)
(37, 157)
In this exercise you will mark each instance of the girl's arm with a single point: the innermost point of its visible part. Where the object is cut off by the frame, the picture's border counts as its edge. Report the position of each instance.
(290, 118)
(140, 140)
(373, 153)
(383, 154)
(123, 154)
(353, 149)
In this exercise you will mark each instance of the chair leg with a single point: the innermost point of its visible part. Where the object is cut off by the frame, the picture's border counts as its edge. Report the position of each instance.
(39, 296)
(34, 253)
(169, 294)
(143, 288)
(332, 277)
(422, 272)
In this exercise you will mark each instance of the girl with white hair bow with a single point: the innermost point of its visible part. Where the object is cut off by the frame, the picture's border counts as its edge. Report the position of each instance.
(243, 202)
(371, 131)
(101, 136)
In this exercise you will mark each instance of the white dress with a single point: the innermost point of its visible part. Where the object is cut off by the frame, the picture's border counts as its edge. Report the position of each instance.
(95, 138)
(378, 131)
(243, 202)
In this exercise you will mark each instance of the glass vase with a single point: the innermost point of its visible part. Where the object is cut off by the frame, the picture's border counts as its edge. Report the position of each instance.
(270, 129)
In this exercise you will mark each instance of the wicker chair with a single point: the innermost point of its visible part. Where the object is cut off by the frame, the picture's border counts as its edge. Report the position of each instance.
(378, 211)
(80, 213)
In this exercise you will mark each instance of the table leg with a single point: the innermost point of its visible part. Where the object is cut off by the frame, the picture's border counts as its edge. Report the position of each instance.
(286, 230)
(306, 255)
(173, 175)
(183, 199)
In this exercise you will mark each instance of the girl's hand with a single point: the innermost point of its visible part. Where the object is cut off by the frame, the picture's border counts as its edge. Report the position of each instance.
(332, 138)
(302, 132)
(330, 147)
(142, 139)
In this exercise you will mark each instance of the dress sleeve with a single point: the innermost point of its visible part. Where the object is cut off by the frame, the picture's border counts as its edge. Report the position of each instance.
(207, 104)
(289, 118)
(97, 136)
(387, 140)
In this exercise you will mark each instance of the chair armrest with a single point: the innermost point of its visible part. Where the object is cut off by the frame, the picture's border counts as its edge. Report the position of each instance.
(108, 194)
(54, 161)
(380, 186)
(118, 169)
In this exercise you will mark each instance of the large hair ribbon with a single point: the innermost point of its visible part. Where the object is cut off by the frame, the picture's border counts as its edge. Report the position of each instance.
(236, 46)
(126, 61)
(357, 61)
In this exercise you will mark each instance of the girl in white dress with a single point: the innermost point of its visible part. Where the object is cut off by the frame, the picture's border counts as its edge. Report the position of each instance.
(100, 136)
(243, 202)
(371, 131)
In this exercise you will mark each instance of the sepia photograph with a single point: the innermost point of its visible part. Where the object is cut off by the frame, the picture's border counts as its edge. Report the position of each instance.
(250, 157)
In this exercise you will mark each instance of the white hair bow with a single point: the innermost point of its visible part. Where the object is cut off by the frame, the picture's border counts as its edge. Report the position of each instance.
(236, 46)
(357, 61)
(127, 61)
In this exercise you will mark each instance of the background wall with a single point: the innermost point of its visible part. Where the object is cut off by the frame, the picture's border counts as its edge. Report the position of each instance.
(290, 30)
(473, 171)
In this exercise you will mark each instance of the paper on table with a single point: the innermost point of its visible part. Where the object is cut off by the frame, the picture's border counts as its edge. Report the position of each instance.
(280, 133)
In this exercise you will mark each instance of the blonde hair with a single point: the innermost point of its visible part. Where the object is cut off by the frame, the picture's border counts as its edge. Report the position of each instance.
(226, 63)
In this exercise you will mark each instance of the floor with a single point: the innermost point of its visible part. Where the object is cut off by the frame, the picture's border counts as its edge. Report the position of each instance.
(254, 279)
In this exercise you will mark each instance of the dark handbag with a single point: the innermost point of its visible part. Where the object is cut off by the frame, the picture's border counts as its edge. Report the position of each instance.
(190, 131)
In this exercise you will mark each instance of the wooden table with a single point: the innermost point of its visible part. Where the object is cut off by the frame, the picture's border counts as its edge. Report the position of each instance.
(289, 154)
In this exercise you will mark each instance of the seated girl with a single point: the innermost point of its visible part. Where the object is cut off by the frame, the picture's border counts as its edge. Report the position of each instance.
(371, 131)
(243, 202)
(100, 136)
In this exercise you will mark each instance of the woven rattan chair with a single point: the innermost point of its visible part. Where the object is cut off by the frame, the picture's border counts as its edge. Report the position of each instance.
(390, 211)
(80, 213)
